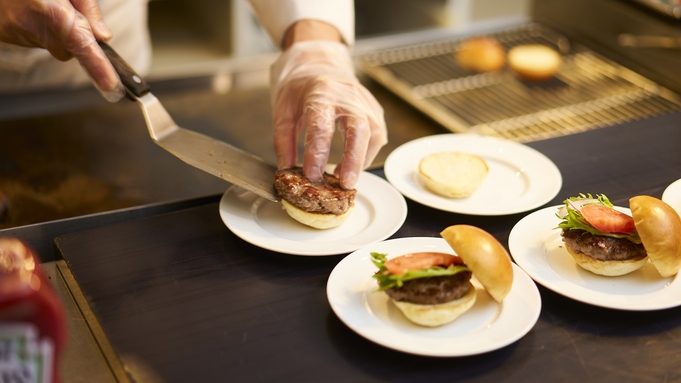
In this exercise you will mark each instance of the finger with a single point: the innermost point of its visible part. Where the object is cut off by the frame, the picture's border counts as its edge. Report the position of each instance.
(90, 9)
(320, 119)
(55, 21)
(357, 137)
(379, 138)
(82, 44)
(285, 133)
(377, 126)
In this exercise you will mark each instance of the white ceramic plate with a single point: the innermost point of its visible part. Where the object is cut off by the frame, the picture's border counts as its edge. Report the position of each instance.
(487, 326)
(379, 212)
(519, 179)
(537, 247)
(672, 195)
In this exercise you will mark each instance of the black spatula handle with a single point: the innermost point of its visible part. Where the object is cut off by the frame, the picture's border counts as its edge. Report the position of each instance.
(134, 82)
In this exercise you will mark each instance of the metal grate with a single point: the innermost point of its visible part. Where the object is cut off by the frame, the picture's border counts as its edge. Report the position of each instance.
(588, 92)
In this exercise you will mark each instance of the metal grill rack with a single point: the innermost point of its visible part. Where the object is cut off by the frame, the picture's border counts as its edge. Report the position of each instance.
(588, 92)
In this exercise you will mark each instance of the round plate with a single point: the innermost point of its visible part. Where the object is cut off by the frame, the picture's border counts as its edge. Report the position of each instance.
(672, 195)
(487, 326)
(519, 179)
(379, 212)
(537, 247)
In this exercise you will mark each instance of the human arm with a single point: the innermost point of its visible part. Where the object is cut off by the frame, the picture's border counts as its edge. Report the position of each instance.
(314, 87)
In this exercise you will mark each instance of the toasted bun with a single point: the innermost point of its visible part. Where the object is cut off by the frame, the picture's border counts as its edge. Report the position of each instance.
(485, 257)
(453, 174)
(481, 54)
(439, 314)
(534, 62)
(659, 227)
(607, 268)
(316, 220)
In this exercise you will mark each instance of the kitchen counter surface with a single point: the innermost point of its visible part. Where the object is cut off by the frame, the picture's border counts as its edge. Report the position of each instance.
(157, 289)
(178, 297)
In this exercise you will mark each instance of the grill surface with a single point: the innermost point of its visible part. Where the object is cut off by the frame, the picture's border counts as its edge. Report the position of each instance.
(588, 92)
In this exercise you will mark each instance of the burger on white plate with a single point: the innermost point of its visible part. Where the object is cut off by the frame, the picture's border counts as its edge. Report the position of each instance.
(606, 241)
(434, 288)
(322, 205)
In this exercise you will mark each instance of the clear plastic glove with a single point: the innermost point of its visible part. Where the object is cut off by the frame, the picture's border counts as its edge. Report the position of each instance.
(66, 29)
(314, 87)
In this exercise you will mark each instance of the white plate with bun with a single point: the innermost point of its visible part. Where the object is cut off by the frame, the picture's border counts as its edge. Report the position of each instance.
(487, 326)
(536, 245)
(519, 178)
(380, 210)
(672, 195)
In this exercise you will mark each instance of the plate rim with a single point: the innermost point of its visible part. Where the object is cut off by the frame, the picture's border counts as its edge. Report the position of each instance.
(391, 174)
(589, 296)
(673, 189)
(400, 209)
(523, 287)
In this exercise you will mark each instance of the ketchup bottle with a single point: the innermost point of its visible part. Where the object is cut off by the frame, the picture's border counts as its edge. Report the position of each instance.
(32, 320)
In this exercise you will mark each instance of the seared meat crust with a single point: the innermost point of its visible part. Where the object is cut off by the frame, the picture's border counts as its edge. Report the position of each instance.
(324, 197)
(601, 247)
(433, 290)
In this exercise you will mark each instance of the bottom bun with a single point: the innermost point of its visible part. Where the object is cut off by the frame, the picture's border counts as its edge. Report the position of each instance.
(316, 220)
(607, 268)
(439, 314)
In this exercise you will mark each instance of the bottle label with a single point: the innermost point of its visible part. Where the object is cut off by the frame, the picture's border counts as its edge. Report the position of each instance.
(24, 357)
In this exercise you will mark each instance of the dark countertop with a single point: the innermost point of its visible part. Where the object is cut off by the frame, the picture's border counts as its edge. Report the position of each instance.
(170, 294)
(181, 298)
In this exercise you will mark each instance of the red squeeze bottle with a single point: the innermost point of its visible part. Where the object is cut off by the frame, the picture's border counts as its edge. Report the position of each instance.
(32, 320)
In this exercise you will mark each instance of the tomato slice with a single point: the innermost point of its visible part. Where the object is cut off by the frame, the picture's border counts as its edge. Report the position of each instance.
(419, 261)
(607, 220)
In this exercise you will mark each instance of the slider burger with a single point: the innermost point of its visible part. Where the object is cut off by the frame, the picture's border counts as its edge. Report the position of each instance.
(322, 205)
(432, 288)
(608, 242)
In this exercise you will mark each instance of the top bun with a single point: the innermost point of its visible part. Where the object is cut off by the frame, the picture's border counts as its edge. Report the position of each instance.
(659, 227)
(453, 174)
(481, 54)
(534, 62)
(485, 257)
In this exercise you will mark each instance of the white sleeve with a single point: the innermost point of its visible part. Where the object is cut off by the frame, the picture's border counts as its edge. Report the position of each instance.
(277, 15)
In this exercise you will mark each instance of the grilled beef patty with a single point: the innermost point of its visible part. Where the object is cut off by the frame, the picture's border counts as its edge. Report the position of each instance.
(603, 248)
(433, 290)
(324, 197)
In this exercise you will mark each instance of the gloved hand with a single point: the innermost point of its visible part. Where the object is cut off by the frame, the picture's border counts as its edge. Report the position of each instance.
(314, 87)
(66, 28)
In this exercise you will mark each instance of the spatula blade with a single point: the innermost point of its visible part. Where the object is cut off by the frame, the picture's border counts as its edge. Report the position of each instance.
(222, 160)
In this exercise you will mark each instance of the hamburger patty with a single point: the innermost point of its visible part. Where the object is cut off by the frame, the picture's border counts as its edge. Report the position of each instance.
(433, 290)
(602, 248)
(323, 197)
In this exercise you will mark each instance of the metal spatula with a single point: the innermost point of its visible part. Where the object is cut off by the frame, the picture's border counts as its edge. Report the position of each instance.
(206, 153)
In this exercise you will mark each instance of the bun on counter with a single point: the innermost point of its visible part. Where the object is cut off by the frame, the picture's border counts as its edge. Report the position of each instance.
(481, 54)
(321, 205)
(659, 227)
(534, 62)
(453, 174)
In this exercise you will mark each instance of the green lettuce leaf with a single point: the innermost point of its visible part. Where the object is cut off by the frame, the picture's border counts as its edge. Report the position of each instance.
(387, 280)
(575, 220)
